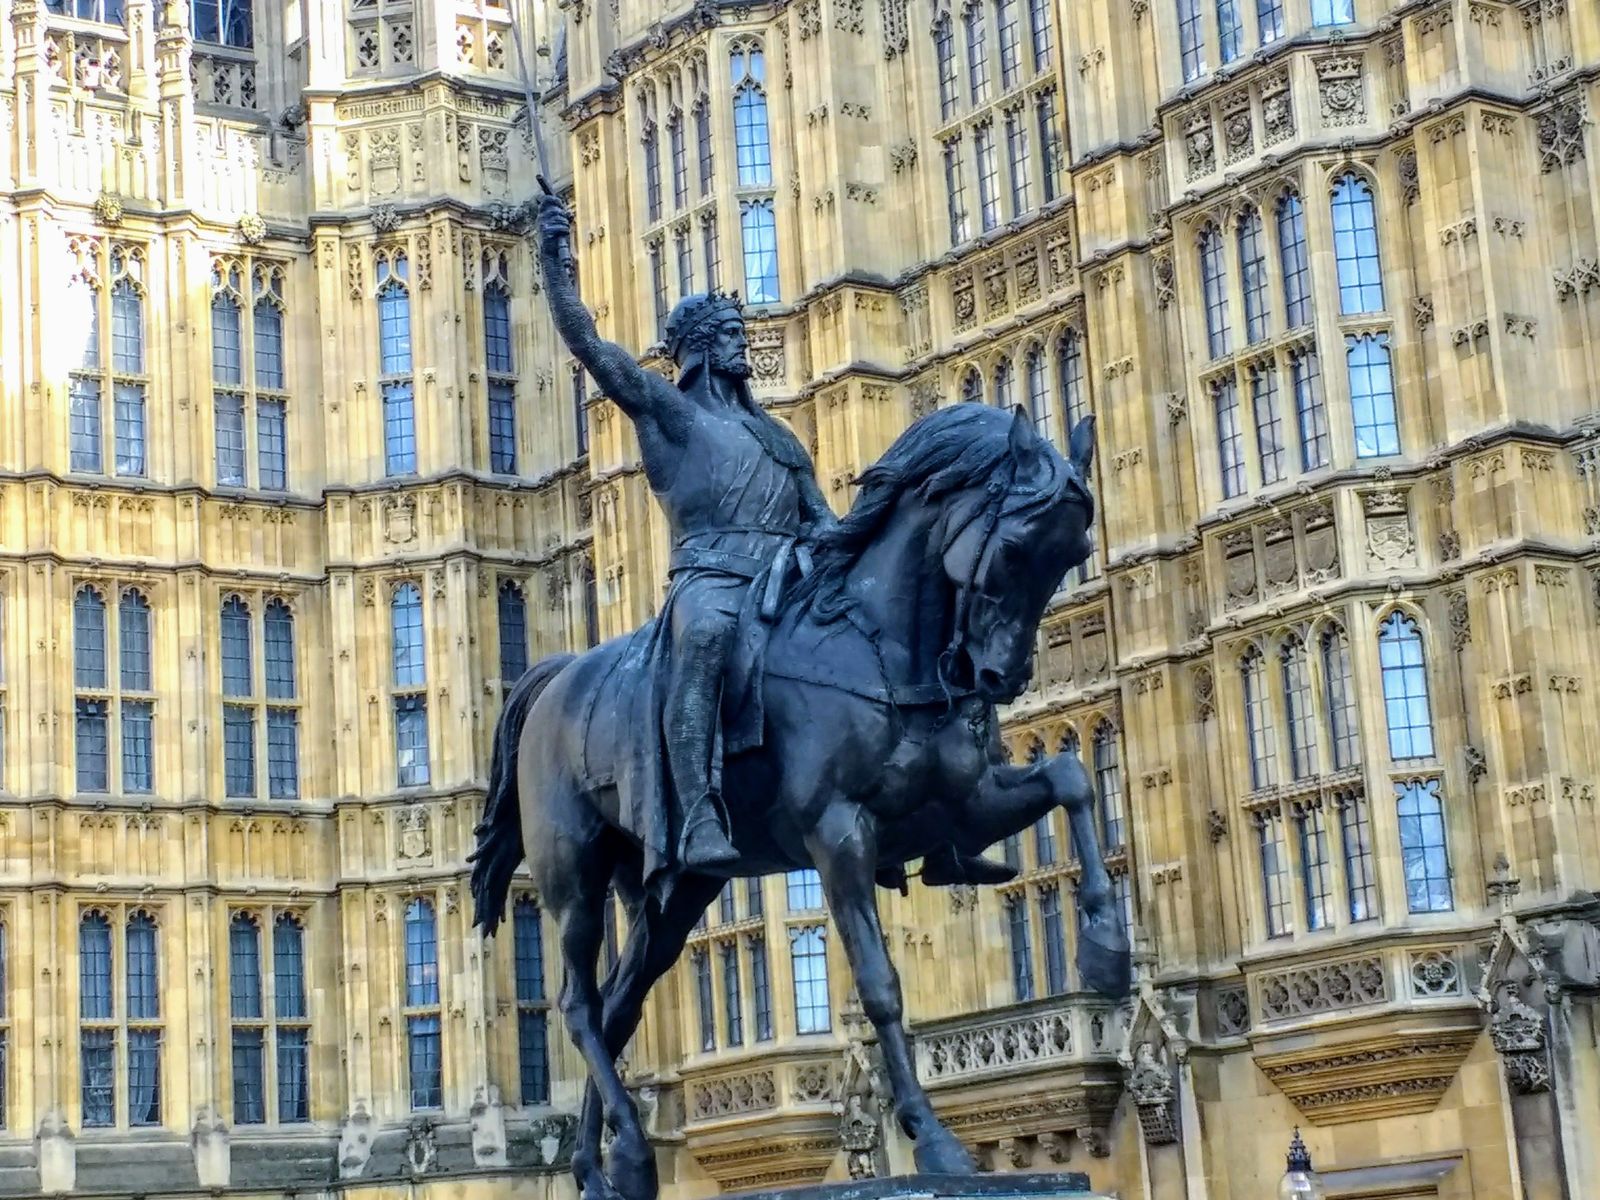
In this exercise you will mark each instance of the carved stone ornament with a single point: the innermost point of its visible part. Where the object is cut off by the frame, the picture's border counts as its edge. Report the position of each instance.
(1561, 133)
(1341, 90)
(1153, 1090)
(385, 219)
(108, 209)
(252, 229)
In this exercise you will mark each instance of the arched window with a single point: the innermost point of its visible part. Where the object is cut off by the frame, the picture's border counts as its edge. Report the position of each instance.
(760, 233)
(247, 1011)
(513, 614)
(972, 386)
(1271, 452)
(143, 1011)
(808, 959)
(1344, 737)
(1054, 932)
(1010, 36)
(1191, 40)
(1004, 394)
(650, 148)
(1405, 688)
(89, 639)
(410, 683)
(223, 22)
(108, 12)
(748, 71)
(1258, 722)
(1424, 847)
(394, 340)
(1311, 413)
(977, 26)
(272, 455)
(293, 1033)
(1372, 401)
(1269, 20)
(92, 738)
(1108, 783)
(97, 1037)
(678, 152)
(1253, 275)
(1302, 713)
(1214, 283)
(533, 1006)
(422, 1005)
(1333, 12)
(944, 49)
(1020, 940)
(238, 720)
(502, 389)
(1038, 392)
(1316, 865)
(1040, 30)
(1071, 379)
(702, 140)
(133, 612)
(1293, 257)
(236, 653)
(1230, 30)
(1274, 873)
(705, 999)
(955, 186)
(127, 368)
(138, 714)
(405, 610)
(227, 373)
(1355, 246)
(1230, 434)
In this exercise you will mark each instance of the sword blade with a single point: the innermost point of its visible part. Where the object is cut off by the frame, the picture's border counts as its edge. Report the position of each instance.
(532, 97)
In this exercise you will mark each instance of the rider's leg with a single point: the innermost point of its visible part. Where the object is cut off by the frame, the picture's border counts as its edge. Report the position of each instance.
(694, 701)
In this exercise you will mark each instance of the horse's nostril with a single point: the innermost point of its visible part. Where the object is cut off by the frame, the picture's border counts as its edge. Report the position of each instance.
(989, 681)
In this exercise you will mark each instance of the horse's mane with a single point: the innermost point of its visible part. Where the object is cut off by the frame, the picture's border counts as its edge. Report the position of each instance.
(949, 450)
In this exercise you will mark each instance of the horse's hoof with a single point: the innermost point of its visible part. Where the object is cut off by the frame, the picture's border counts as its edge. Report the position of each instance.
(940, 1152)
(631, 1166)
(1104, 964)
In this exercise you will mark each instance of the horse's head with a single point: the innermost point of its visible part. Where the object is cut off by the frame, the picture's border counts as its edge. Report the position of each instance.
(1006, 544)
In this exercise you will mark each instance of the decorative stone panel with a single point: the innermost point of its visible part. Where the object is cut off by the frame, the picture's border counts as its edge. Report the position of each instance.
(1386, 1075)
(1322, 987)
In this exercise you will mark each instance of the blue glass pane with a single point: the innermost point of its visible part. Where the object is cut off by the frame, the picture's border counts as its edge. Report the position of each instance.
(236, 672)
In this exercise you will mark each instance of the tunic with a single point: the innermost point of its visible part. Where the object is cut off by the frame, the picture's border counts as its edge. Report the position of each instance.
(732, 506)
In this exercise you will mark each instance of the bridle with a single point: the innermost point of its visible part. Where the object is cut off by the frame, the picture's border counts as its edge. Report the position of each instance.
(999, 492)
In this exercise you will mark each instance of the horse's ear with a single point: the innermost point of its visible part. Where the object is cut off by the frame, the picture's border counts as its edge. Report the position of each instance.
(1024, 439)
(1080, 446)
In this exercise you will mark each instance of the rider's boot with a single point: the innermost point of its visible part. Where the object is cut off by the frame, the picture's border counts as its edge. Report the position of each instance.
(705, 841)
(947, 865)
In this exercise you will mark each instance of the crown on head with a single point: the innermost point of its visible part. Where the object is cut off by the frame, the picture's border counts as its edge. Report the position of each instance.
(696, 315)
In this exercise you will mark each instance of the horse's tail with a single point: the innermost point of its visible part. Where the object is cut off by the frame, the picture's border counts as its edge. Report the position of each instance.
(499, 834)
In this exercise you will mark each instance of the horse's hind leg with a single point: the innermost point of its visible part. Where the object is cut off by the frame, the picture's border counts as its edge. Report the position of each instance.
(655, 938)
(572, 853)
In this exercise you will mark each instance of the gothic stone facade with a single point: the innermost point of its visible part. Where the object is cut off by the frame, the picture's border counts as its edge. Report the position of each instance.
(294, 479)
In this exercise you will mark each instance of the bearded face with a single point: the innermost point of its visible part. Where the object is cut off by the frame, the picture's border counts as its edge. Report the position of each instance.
(729, 351)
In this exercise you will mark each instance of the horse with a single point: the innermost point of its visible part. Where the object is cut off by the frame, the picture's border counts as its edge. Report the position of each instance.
(880, 745)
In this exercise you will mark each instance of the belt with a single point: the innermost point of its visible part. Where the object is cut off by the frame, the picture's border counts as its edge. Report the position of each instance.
(729, 562)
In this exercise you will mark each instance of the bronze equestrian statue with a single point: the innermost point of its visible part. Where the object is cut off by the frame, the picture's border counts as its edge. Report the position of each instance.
(847, 715)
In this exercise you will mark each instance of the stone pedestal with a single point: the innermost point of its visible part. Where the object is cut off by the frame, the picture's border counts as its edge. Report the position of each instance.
(1052, 1185)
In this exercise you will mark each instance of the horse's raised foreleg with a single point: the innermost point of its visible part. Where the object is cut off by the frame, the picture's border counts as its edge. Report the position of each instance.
(1103, 954)
(1008, 800)
(844, 847)
(655, 938)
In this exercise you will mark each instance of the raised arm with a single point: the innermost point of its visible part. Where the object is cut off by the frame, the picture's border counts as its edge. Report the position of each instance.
(622, 379)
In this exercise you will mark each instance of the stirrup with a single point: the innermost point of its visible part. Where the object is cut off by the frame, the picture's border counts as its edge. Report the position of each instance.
(705, 843)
